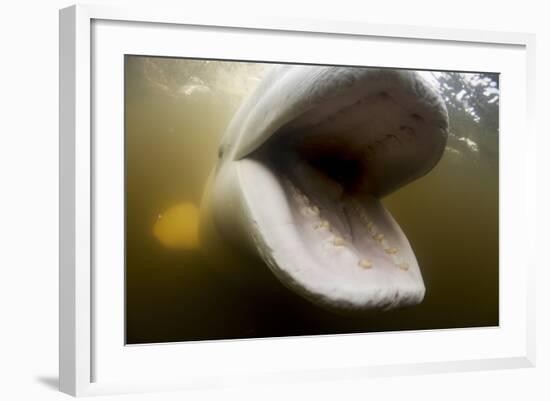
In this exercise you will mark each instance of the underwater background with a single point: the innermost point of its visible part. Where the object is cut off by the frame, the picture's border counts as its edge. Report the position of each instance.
(176, 111)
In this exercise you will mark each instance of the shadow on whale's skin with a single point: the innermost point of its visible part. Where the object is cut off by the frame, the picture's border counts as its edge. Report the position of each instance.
(300, 173)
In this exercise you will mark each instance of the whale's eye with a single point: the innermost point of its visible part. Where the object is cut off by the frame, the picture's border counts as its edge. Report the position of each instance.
(221, 151)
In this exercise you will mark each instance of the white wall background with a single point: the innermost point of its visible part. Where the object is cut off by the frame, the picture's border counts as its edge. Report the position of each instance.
(29, 200)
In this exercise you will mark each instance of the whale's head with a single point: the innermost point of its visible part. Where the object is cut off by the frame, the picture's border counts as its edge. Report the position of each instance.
(301, 170)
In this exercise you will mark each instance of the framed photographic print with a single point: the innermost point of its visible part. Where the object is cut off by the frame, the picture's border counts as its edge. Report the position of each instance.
(274, 200)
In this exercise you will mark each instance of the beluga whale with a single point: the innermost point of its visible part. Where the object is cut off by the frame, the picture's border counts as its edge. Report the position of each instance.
(301, 171)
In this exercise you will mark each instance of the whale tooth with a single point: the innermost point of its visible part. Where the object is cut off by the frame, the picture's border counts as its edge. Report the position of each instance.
(391, 251)
(303, 198)
(338, 241)
(365, 263)
(310, 211)
(323, 224)
(403, 266)
(370, 226)
(378, 237)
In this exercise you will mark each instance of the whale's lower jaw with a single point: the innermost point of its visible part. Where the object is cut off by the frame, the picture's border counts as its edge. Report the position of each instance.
(349, 255)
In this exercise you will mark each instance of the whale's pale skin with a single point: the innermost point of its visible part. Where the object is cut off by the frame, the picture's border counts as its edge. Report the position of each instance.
(301, 170)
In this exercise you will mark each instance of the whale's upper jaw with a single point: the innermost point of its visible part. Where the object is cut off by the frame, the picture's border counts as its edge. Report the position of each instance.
(311, 184)
(372, 144)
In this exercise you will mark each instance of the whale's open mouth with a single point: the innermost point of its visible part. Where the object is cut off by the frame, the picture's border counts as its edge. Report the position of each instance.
(312, 191)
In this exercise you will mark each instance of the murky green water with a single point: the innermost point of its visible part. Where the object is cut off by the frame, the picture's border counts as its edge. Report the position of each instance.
(176, 113)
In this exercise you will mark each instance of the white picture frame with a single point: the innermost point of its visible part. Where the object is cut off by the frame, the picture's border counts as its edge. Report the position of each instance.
(86, 334)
